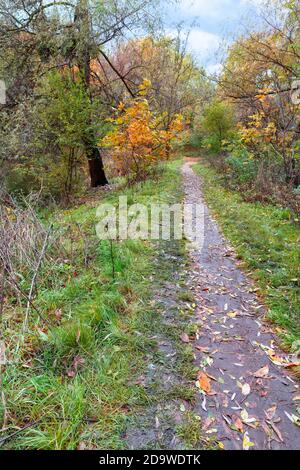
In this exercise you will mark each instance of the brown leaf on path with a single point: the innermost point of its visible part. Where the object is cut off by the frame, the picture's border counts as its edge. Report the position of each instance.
(202, 349)
(238, 423)
(204, 382)
(262, 373)
(296, 398)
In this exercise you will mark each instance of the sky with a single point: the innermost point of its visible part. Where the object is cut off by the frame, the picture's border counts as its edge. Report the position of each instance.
(209, 22)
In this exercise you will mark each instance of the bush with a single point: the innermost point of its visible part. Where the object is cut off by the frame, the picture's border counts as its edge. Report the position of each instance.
(218, 125)
(241, 165)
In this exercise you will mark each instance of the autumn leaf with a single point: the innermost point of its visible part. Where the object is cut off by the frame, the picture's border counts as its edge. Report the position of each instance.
(232, 314)
(238, 424)
(185, 338)
(204, 382)
(262, 373)
(246, 390)
(246, 442)
(294, 418)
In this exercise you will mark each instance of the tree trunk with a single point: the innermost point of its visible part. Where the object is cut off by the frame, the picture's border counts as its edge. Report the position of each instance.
(96, 168)
(84, 45)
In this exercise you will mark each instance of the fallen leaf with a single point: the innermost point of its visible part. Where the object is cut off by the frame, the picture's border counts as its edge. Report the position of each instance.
(204, 382)
(262, 373)
(202, 349)
(246, 442)
(232, 314)
(296, 398)
(294, 418)
(278, 361)
(184, 338)
(292, 364)
(246, 390)
(238, 423)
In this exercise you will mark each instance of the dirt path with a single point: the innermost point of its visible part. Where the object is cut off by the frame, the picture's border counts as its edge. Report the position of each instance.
(247, 394)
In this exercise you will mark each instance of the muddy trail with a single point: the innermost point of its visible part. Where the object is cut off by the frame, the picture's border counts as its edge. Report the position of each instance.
(217, 377)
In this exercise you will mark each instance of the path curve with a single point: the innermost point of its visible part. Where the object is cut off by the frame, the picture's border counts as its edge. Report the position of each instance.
(248, 395)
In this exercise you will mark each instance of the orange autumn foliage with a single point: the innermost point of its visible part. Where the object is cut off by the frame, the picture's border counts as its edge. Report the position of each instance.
(137, 140)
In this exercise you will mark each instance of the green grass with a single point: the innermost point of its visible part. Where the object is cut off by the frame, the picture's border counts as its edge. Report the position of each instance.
(97, 323)
(267, 240)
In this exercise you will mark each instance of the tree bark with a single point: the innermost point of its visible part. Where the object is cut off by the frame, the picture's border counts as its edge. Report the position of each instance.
(97, 173)
(84, 44)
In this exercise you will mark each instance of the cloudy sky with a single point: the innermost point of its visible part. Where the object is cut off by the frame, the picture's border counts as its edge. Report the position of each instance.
(210, 21)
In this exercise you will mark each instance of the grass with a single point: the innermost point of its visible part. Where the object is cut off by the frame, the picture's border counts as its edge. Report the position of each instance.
(267, 241)
(73, 381)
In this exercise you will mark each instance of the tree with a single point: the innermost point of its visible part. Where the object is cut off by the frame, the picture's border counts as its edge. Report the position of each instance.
(137, 139)
(178, 84)
(39, 35)
(217, 122)
(257, 79)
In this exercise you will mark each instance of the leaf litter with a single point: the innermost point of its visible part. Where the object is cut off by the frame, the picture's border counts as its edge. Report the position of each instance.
(236, 342)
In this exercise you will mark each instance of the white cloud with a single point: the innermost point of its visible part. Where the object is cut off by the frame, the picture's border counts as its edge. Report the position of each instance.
(209, 9)
(214, 9)
(203, 44)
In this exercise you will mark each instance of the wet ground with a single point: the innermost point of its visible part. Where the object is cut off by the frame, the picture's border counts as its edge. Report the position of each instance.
(244, 396)
(247, 399)
(155, 425)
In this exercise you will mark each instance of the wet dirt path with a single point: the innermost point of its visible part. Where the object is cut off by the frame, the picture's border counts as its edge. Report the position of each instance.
(244, 388)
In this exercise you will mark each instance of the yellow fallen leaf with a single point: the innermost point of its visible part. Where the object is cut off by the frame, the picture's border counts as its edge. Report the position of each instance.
(246, 442)
(232, 314)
